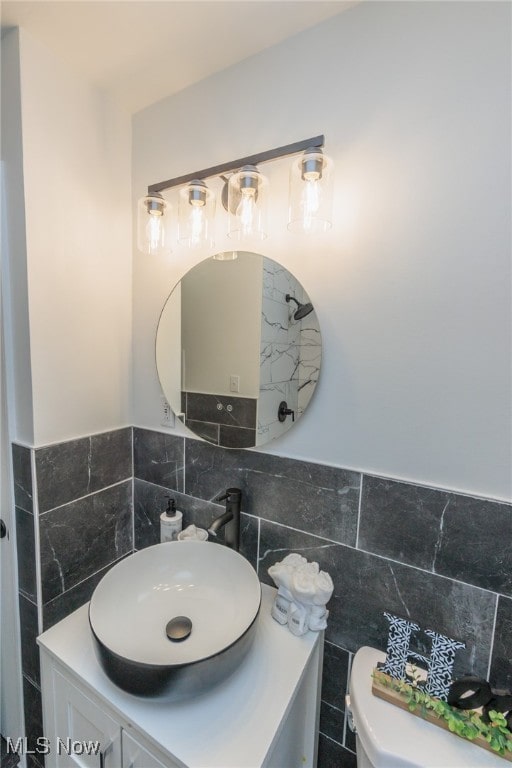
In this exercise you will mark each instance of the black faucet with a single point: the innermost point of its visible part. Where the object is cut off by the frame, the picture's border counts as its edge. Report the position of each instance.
(230, 520)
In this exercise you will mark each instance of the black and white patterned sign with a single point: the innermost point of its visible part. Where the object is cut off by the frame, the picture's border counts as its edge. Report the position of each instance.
(439, 664)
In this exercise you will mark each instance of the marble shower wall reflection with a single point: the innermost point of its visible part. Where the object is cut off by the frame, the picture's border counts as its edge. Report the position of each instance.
(290, 350)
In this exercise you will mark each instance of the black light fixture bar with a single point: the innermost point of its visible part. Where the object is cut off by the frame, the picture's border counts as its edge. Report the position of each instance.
(233, 165)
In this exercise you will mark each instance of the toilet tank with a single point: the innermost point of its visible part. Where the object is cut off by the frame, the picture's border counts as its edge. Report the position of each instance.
(390, 737)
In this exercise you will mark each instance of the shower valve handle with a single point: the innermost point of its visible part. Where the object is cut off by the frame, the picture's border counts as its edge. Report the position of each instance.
(284, 411)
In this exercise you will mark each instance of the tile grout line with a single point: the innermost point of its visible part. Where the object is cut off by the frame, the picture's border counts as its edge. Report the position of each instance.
(359, 510)
(493, 635)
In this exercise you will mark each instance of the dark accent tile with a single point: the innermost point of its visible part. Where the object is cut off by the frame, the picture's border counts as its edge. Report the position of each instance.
(8, 759)
(350, 737)
(335, 675)
(474, 543)
(400, 521)
(25, 547)
(73, 469)
(333, 755)
(205, 430)
(296, 493)
(332, 722)
(74, 598)
(29, 630)
(22, 477)
(32, 762)
(249, 533)
(33, 714)
(237, 437)
(158, 458)
(501, 662)
(215, 409)
(80, 538)
(366, 585)
(446, 533)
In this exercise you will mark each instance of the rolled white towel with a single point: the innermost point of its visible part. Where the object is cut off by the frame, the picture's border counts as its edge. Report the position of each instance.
(298, 619)
(317, 618)
(323, 588)
(303, 586)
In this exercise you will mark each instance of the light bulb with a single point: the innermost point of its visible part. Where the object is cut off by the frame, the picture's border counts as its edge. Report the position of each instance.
(154, 232)
(197, 223)
(246, 210)
(310, 202)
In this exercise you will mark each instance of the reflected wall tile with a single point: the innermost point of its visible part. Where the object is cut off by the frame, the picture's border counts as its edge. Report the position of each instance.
(365, 586)
(158, 458)
(80, 538)
(75, 468)
(332, 721)
(501, 662)
(333, 755)
(22, 477)
(297, 493)
(453, 535)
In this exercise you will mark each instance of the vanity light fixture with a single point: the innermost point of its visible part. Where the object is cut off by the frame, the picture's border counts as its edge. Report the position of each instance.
(244, 196)
(310, 192)
(196, 214)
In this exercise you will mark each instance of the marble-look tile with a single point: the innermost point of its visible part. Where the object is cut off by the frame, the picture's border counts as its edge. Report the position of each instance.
(22, 477)
(230, 410)
(236, 437)
(297, 493)
(158, 458)
(62, 605)
(333, 755)
(29, 630)
(332, 722)
(365, 586)
(249, 537)
(501, 662)
(80, 538)
(335, 675)
(204, 430)
(33, 713)
(453, 535)
(25, 547)
(73, 469)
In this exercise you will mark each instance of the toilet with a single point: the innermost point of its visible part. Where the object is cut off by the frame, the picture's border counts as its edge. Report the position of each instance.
(390, 737)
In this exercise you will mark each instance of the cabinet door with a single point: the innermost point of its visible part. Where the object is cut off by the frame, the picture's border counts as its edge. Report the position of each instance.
(86, 736)
(137, 756)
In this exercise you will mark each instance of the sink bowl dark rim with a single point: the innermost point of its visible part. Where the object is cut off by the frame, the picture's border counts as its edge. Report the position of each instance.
(145, 665)
(172, 682)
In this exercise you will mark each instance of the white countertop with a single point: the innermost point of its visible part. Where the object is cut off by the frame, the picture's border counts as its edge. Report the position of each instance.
(238, 718)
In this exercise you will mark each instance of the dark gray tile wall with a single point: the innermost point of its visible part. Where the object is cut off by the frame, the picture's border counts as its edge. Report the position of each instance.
(439, 558)
(71, 525)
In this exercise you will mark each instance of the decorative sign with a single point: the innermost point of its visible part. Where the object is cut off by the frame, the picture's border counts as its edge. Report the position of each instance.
(439, 665)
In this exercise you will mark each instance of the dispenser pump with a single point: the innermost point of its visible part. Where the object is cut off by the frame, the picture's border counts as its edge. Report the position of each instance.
(171, 521)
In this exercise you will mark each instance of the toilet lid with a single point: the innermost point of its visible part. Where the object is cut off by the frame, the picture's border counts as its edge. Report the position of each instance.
(395, 738)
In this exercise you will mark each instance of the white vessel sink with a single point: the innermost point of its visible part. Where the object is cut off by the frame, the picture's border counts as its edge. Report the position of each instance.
(175, 618)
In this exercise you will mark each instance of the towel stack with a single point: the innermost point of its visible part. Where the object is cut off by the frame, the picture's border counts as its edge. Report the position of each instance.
(303, 591)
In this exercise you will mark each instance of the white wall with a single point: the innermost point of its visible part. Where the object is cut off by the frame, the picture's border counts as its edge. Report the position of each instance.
(412, 286)
(76, 165)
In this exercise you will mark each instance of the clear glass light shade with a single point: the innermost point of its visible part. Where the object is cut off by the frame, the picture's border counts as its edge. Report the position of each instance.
(153, 225)
(310, 193)
(196, 215)
(247, 204)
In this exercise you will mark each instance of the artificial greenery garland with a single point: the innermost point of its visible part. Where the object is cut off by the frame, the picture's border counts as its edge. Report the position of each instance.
(465, 723)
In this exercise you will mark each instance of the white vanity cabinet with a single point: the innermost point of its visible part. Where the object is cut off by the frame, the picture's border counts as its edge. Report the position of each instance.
(265, 715)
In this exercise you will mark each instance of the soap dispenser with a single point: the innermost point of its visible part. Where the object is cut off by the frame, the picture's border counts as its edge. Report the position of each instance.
(170, 522)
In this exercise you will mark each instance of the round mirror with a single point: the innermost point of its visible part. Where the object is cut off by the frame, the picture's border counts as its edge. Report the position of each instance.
(238, 349)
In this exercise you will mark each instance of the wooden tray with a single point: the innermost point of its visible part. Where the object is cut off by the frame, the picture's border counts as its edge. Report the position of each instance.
(396, 698)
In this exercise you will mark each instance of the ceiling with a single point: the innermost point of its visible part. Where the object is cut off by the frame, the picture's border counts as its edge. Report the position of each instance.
(144, 50)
